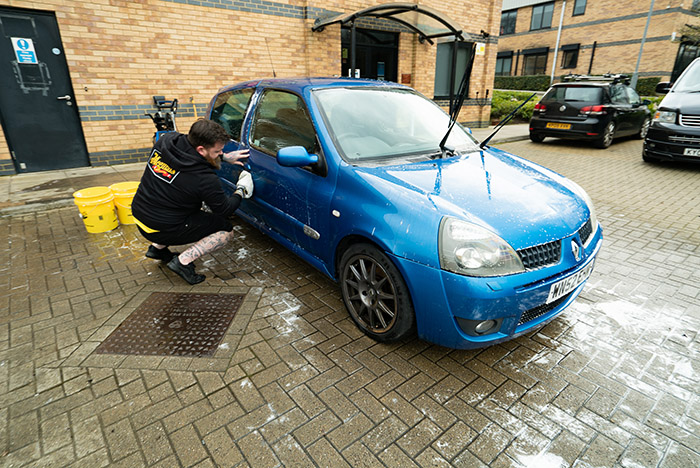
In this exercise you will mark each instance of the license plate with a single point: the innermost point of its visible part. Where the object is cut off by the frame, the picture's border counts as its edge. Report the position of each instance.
(568, 284)
(691, 152)
(558, 125)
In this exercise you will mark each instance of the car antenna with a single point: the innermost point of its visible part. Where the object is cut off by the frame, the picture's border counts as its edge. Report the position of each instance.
(505, 120)
(456, 106)
(274, 75)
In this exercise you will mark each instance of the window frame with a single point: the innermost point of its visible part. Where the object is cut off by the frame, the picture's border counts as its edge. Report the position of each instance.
(502, 58)
(540, 13)
(567, 52)
(579, 5)
(223, 100)
(453, 78)
(514, 20)
(530, 54)
(256, 120)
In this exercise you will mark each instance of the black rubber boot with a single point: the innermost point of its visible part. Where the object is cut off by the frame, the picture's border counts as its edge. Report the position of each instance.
(163, 254)
(185, 271)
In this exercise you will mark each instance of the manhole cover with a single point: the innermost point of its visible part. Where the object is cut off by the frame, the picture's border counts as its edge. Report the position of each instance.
(174, 324)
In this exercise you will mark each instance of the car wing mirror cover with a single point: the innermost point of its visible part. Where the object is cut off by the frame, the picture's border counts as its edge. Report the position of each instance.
(663, 87)
(295, 156)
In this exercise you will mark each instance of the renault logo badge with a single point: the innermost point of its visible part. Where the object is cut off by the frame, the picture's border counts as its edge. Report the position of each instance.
(576, 250)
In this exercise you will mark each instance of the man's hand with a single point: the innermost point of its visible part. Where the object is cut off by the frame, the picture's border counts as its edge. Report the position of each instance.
(235, 157)
(244, 186)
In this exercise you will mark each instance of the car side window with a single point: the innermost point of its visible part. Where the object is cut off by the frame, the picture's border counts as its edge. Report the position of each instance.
(281, 120)
(618, 95)
(229, 111)
(634, 98)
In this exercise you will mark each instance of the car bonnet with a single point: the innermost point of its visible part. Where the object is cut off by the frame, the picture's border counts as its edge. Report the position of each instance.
(523, 203)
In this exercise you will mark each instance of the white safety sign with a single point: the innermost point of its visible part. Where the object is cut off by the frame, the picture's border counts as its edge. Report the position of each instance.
(24, 50)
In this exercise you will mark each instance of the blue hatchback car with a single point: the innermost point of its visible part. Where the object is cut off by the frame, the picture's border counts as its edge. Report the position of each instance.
(467, 246)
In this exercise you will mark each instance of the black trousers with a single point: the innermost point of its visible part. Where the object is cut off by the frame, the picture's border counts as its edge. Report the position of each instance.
(197, 226)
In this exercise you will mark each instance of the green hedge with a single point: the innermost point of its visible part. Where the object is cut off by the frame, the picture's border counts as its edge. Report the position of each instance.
(503, 103)
(531, 82)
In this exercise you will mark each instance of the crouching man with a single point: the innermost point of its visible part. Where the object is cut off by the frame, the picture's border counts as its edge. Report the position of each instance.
(179, 176)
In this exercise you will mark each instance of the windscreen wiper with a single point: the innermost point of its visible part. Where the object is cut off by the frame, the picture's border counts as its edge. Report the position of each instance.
(456, 106)
(504, 121)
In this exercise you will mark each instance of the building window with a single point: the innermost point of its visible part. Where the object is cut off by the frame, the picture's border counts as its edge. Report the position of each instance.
(569, 55)
(579, 7)
(542, 16)
(508, 22)
(449, 69)
(535, 61)
(504, 62)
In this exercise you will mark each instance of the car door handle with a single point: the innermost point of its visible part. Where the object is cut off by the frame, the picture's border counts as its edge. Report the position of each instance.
(64, 98)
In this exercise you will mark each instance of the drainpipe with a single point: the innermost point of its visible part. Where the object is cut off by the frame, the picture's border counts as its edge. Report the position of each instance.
(590, 64)
(353, 43)
(633, 84)
(556, 49)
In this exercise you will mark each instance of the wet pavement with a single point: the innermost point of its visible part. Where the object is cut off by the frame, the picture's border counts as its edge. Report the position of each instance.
(612, 382)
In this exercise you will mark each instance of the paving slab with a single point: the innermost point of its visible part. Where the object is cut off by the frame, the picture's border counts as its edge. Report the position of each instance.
(612, 382)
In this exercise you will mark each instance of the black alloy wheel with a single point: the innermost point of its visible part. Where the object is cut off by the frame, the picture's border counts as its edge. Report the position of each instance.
(375, 294)
(644, 129)
(536, 137)
(608, 134)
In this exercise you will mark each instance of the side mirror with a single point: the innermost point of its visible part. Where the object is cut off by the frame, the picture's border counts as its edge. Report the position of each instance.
(663, 87)
(295, 156)
(646, 102)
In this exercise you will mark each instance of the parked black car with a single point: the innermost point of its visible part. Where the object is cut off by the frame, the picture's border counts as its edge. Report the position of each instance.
(674, 134)
(590, 108)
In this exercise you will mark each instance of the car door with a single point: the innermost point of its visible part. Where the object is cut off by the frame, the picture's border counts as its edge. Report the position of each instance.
(292, 201)
(622, 109)
(637, 110)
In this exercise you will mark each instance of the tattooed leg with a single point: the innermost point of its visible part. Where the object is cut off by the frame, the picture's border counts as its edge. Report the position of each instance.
(207, 245)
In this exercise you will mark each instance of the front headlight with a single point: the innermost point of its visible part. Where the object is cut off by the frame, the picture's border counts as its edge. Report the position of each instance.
(468, 249)
(578, 190)
(665, 117)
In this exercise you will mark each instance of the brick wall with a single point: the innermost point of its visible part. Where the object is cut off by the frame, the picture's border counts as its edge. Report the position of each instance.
(120, 53)
(616, 26)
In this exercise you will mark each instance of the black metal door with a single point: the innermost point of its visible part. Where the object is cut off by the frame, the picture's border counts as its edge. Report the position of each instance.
(376, 54)
(37, 105)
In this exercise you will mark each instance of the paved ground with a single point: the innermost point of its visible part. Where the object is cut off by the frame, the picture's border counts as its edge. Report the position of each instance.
(613, 382)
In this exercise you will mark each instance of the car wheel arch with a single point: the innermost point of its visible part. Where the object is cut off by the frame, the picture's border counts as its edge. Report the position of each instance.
(347, 242)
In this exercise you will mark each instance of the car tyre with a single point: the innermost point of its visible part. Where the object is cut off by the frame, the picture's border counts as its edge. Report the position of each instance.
(375, 294)
(644, 129)
(536, 137)
(608, 134)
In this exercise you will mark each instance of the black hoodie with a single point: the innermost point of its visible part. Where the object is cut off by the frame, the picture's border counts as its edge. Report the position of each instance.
(176, 181)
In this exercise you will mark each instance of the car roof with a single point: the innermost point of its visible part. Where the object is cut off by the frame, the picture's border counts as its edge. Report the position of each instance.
(300, 85)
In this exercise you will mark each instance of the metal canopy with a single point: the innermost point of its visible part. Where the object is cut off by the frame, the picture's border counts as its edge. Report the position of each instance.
(426, 22)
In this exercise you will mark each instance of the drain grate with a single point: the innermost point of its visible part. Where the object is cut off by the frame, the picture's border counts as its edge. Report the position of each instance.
(174, 324)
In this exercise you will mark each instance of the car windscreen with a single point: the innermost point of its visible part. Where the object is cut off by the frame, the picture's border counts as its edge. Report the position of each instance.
(689, 81)
(574, 93)
(376, 123)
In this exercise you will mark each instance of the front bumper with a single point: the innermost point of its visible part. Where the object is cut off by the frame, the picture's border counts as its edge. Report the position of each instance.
(669, 142)
(590, 128)
(517, 303)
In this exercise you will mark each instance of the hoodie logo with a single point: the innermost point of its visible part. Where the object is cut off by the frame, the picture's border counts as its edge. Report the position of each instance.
(161, 169)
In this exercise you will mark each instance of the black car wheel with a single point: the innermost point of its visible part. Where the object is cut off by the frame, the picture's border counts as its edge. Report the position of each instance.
(608, 134)
(375, 294)
(645, 128)
(536, 137)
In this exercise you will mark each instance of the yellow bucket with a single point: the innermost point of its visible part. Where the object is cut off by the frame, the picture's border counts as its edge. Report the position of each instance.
(96, 209)
(123, 195)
